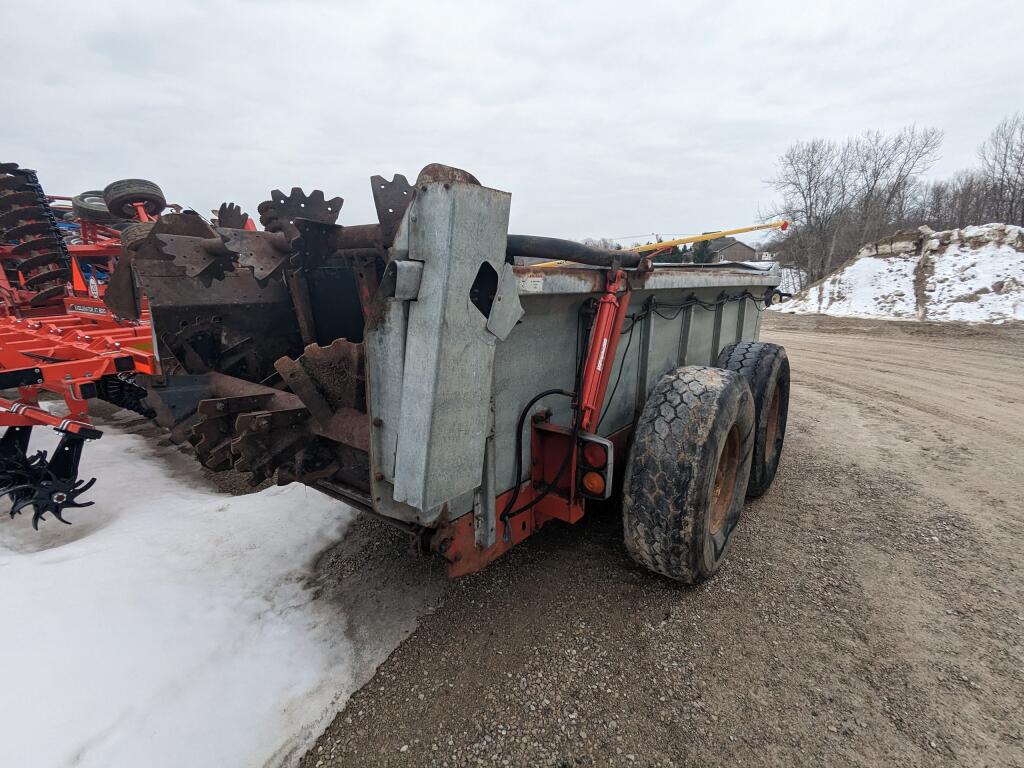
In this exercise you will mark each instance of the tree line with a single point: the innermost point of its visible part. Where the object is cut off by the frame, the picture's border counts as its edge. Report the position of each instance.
(842, 194)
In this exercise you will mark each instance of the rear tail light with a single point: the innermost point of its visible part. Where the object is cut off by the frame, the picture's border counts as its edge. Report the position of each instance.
(595, 454)
(593, 483)
(594, 466)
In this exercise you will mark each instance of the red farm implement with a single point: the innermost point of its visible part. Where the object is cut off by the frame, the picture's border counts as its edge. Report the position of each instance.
(57, 335)
(76, 358)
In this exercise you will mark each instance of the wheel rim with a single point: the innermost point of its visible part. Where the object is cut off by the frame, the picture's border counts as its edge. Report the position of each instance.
(724, 488)
(772, 428)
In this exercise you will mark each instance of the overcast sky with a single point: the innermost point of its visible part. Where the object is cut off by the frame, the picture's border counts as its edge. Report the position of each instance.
(601, 119)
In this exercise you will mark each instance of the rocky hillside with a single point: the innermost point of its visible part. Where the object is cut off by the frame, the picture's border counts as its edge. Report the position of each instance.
(975, 274)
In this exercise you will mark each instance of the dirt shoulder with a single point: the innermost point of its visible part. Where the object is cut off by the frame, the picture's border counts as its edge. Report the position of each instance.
(871, 610)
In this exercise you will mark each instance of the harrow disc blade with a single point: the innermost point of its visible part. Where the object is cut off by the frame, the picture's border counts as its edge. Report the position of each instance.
(12, 182)
(18, 216)
(48, 293)
(391, 198)
(39, 260)
(50, 276)
(17, 198)
(27, 219)
(280, 212)
(36, 245)
(27, 229)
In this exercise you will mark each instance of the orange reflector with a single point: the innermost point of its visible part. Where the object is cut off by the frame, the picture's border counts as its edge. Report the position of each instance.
(77, 278)
(593, 482)
(595, 455)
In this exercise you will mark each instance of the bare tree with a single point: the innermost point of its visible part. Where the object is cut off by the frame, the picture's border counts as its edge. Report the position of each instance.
(886, 170)
(603, 242)
(1002, 166)
(840, 195)
(964, 199)
(814, 180)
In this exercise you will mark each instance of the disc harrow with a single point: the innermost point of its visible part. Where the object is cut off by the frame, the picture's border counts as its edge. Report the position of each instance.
(35, 257)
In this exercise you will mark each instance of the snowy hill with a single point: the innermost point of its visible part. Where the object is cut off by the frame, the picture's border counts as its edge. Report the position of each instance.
(975, 274)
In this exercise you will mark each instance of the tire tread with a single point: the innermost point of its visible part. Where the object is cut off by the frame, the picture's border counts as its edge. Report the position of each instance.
(659, 526)
(764, 366)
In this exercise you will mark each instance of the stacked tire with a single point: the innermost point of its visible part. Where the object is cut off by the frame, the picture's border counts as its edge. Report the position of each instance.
(90, 206)
(116, 202)
(121, 198)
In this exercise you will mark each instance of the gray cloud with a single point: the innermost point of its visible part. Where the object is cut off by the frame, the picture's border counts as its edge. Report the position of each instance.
(602, 119)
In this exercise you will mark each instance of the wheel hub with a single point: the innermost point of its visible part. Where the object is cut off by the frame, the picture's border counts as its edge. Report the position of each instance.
(724, 487)
(772, 428)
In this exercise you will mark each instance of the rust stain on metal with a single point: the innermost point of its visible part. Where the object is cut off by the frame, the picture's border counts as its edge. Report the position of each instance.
(436, 172)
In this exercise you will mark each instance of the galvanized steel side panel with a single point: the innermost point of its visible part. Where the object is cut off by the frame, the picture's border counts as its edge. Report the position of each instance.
(664, 329)
(540, 354)
(751, 322)
(449, 356)
(702, 331)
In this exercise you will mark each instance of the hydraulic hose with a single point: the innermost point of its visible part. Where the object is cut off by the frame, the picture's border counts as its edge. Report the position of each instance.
(510, 505)
(556, 249)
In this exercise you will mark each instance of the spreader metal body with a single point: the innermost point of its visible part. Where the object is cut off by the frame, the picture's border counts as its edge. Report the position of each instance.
(447, 379)
(438, 367)
(394, 365)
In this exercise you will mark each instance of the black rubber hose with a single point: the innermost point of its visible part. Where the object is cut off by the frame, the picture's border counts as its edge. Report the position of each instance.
(519, 444)
(554, 481)
(555, 249)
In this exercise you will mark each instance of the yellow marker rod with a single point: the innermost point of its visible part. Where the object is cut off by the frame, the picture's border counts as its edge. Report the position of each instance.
(783, 225)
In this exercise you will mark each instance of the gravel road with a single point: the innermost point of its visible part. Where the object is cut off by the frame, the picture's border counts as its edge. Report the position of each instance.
(871, 611)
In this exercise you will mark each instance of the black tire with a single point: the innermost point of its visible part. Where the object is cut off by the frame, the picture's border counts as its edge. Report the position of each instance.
(122, 195)
(765, 367)
(687, 472)
(90, 206)
(135, 233)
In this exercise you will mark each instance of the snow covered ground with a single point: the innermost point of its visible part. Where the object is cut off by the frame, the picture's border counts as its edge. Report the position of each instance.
(975, 274)
(793, 279)
(170, 625)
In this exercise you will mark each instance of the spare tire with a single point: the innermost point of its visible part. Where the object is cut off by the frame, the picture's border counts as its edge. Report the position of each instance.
(121, 197)
(687, 472)
(91, 206)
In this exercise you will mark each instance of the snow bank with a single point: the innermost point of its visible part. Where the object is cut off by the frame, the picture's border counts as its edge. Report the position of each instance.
(170, 625)
(975, 274)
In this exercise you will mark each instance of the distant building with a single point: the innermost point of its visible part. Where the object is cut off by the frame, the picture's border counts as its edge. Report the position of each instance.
(731, 249)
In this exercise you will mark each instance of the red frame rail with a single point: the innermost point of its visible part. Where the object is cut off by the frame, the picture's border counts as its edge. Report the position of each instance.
(62, 354)
(18, 414)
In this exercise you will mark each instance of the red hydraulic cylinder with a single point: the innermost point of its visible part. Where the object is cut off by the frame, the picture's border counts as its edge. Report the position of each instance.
(604, 341)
